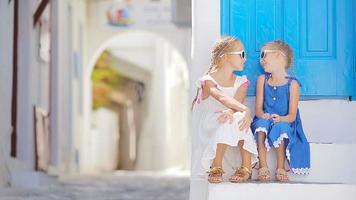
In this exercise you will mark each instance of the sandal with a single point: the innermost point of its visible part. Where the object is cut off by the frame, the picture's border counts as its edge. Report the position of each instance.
(215, 175)
(242, 174)
(264, 174)
(281, 175)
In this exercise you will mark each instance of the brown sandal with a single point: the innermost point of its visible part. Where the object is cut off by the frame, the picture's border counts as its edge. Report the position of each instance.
(264, 174)
(242, 174)
(215, 175)
(281, 175)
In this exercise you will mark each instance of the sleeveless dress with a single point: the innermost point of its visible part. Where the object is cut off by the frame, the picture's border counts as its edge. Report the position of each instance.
(276, 101)
(207, 132)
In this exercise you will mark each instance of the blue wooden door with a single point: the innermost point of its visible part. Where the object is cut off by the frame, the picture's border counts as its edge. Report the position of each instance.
(320, 33)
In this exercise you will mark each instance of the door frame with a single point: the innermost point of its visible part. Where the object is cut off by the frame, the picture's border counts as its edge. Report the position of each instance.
(13, 148)
(354, 40)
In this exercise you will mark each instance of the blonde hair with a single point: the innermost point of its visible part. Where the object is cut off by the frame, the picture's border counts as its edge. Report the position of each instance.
(285, 48)
(222, 46)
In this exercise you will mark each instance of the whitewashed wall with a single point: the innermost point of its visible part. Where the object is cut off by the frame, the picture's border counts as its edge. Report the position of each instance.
(68, 50)
(163, 69)
(6, 41)
(153, 139)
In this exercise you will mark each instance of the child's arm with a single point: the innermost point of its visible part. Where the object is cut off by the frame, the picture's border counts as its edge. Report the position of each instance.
(240, 96)
(241, 92)
(227, 114)
(293, 104)
(259, 98)
(229, 102)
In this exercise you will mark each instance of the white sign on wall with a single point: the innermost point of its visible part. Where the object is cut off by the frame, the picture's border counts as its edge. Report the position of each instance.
(138, 13)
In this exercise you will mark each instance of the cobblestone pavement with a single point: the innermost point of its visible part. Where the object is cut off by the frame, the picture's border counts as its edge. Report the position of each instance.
(116, 186)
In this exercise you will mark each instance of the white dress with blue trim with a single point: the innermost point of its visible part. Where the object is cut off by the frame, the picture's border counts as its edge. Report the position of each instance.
(207, 132)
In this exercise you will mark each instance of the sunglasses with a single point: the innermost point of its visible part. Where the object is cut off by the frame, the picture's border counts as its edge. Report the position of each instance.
(264, 52)
(241, 53)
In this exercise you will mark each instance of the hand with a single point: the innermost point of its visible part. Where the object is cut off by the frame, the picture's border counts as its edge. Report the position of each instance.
(226, 116)
(245, 123)
(276, 118)
(266, 116)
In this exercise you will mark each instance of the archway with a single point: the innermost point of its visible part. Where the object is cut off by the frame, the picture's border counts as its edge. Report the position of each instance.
(147, 59)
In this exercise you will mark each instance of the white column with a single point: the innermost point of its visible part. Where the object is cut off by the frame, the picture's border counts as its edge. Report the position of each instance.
(206, 29)
(59, 85)
(159, 96)
(6, 41)
(27, 83)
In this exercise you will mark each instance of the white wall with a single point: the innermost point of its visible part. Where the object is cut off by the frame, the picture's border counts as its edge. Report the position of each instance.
(102, 32)
(59, 65)
(178, 112)
(153, 139)
(30, 87)
(28, 66)
(205, 30)
(68, 50)
(104, 141)
(166, 75)
(69, 104)
(6, 41)
(77, 53)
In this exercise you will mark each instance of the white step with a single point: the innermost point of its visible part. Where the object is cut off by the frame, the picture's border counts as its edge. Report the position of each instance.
(332, 175)
(282, 191)
(330, 163)
(23, 175)
(32, 179)
(325, 121)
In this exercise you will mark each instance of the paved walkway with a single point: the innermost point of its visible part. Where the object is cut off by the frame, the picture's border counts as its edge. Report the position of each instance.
(116, 186)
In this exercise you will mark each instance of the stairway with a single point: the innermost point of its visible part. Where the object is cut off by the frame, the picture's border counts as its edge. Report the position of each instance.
(329, 128)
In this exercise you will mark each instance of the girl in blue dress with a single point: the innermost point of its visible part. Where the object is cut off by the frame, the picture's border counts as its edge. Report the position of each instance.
(277, 123)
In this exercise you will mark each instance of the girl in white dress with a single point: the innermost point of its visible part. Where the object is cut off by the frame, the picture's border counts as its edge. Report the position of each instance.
(222, 139)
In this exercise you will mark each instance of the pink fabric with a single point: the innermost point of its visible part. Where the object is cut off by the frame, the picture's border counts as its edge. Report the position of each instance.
(199, 97)
(246, 84)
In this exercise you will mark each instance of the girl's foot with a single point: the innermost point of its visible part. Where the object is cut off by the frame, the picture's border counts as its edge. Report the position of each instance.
(264, 174)
(215, 175)
(242, 174)
(281, 175)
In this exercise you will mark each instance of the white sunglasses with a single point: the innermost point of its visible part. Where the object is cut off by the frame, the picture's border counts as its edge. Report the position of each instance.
(263, 53)
(241, 53)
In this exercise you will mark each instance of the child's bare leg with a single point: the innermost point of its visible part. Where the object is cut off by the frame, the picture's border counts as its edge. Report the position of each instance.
(220, 151)
(244, 172)
(262, 150)
(263, 172)
(281, 174)
(245, 156)
(215, 174)
(280, 156)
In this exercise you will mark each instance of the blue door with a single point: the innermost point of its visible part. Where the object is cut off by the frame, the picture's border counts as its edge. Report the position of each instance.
(320, 33)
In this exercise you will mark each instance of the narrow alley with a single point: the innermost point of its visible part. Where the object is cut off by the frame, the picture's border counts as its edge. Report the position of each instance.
(119, 186)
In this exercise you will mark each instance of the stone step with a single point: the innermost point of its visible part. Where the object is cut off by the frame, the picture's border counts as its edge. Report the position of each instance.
(276, 191)
(330, 163)
(32, 179)
(325, 121)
